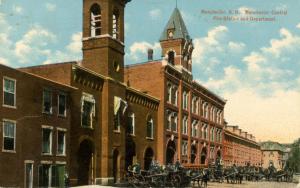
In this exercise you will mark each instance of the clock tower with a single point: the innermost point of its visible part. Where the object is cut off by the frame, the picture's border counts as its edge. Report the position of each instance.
(103, 37)
(176, 44)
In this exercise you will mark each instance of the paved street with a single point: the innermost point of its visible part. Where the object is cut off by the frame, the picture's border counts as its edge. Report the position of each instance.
(254, 185)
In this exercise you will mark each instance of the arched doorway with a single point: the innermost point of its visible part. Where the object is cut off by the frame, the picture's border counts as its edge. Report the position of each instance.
(149, 154)
(218, 154)
(170, 152)
(193, 153)
(115, 165)
(130, 152)
(203, 155)
(85, 162)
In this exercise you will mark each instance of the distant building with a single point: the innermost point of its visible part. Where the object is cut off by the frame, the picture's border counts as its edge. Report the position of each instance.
(240, 148)
(274, 154)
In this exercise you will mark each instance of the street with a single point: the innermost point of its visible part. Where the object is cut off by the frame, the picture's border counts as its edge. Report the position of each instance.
(254, 185)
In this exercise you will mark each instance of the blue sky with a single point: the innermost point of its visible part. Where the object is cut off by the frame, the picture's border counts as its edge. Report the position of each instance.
(253, 65)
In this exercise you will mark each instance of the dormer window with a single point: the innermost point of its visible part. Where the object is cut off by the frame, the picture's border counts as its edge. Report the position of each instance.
(95, 20)
(170, 33)
(115, 25)
(171, 57)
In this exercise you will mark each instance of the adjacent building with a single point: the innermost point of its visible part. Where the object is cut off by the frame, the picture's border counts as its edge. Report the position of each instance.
(240, 148)
(190, 117)
(275, 154)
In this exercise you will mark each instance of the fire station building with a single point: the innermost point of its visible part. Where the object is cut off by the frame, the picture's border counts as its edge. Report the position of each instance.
(90, 120)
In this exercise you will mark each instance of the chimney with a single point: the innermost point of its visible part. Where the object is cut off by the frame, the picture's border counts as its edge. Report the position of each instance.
(150, 54)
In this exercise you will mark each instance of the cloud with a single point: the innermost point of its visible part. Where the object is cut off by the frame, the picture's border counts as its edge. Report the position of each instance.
(138, 50)
(155, 13)
(50, 7)
(34, 44)
(298, 26)
(236, 46)
(76, 43)
(231, 79)
(17, 9)
(209, 44)
(4, 61)
(254, 58)
(266, 117)
(287, 42)
(71, 52)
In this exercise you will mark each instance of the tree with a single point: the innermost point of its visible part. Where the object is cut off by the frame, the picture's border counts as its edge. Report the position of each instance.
(294, 158)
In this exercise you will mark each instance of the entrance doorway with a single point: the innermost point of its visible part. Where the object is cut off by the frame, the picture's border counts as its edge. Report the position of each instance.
(115, 165)
(149, 154)
(85, 162)
(203, 155)
(193, 153)
(130, 152)
(170, 152)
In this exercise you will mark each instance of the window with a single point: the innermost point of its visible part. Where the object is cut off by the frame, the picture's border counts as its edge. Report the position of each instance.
(45, 175)
(28, 174)
(47, 101)
(9, 92)
(131, 124)
(185, 125)
(174, 122)
(204, 131)
(206, 110)
(211, 113)
(212, 151)
(184, 147)
(169, 120)
(62, 103)
(61, 142)
(195, 128)
(195, 105)
(171, 57)
(9, 135)
(175, 95)
(95, 20)
(115, 21)
(87, 110)
(212, 134)
(185, 100)
(150, 128)
(169, 97)
(57, 175)
(47, 140)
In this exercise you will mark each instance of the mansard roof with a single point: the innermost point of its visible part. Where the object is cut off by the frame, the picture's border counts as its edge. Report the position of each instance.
(176, 24)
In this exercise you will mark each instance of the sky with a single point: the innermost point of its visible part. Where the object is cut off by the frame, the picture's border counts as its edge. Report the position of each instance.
(254, 65)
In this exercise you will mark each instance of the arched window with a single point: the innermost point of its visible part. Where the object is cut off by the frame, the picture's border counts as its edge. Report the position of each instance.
(150, 127)
(131, 124)
(171, 57)
(95, 20)
(115, 25)
(169, 97)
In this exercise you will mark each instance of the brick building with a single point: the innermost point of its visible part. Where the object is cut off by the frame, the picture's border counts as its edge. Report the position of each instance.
(93, 118)
(190, 117)
(273, 153)
(240, 148)
(78, 118)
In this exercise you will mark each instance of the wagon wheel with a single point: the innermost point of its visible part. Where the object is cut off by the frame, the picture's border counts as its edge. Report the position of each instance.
(176, 180)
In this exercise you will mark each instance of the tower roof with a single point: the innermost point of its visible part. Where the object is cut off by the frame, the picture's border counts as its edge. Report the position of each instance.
(176, 24)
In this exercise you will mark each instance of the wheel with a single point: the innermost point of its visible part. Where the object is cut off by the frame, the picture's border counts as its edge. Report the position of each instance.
(176, 180)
